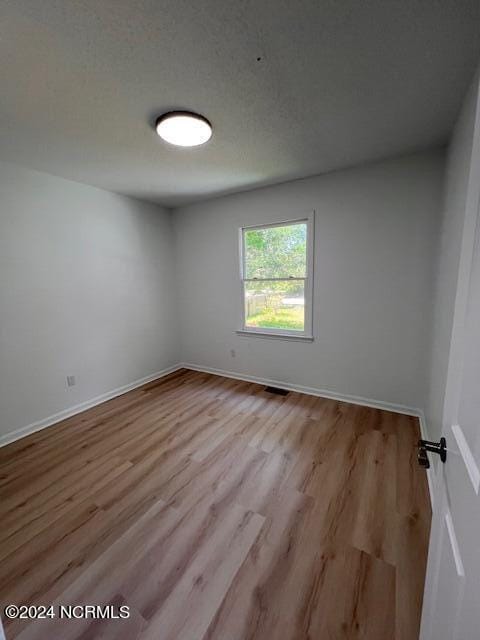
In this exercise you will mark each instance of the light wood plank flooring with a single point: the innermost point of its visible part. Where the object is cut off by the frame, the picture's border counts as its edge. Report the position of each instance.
(218, 511)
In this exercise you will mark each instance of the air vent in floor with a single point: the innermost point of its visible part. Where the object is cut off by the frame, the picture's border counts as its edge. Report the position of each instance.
(276, 391)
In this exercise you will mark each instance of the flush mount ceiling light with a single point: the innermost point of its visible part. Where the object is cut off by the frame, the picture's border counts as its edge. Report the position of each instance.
(183, 128)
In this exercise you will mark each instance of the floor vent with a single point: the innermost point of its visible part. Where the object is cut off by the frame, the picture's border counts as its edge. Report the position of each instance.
(276, 391)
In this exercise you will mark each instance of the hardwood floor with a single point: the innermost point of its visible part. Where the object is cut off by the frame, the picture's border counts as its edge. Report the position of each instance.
(217, 511)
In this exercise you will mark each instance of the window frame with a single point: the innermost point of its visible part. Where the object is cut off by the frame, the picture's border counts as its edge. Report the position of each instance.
(287, 334)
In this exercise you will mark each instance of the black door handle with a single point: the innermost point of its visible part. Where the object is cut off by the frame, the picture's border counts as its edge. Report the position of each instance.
(422, 457)
(433, 447)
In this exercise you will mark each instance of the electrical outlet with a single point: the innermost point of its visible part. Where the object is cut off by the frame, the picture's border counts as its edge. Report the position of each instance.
(70, 381)
(232, 353)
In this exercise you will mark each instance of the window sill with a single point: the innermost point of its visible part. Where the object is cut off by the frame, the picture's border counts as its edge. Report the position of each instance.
(274, 336)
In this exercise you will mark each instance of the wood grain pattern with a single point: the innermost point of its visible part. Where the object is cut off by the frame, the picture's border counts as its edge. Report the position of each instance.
(217, 511)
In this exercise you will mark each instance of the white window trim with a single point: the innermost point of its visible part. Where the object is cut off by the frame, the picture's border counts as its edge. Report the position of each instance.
(285, 334)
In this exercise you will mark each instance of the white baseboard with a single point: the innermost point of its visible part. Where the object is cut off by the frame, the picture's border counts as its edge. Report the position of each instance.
(83, 406)
(431, 470)
(311, 391)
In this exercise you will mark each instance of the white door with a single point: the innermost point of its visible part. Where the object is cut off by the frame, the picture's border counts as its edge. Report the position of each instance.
(451, 608)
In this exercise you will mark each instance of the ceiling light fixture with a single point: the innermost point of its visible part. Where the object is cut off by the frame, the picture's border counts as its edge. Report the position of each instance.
(183, 128)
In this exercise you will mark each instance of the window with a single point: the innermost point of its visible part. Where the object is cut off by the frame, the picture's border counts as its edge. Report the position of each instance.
(276, 278)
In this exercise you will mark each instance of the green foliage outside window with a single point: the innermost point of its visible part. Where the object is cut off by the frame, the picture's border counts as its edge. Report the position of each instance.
(271, 253)
(276, 252)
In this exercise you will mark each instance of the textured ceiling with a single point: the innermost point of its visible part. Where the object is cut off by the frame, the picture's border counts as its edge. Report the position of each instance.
(292, 87)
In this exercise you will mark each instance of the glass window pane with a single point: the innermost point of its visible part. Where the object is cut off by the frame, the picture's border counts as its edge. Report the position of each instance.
(276, 252)
(275, 305)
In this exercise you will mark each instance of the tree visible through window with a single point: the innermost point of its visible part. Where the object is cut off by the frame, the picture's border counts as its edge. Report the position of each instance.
(276, 286)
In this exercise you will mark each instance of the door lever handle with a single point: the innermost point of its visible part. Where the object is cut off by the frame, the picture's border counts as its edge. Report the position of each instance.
(433, 447)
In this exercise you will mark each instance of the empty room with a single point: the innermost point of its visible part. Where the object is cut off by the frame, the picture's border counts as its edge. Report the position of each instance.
(239, 320)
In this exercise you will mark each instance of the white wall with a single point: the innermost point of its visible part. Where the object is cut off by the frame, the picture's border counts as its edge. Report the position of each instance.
(376, 230)
(86, 288)
(448, 259)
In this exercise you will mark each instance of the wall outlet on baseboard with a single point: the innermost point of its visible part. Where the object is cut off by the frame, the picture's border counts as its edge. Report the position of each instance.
(233, 353)
(71, 381)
